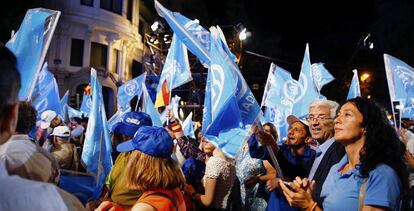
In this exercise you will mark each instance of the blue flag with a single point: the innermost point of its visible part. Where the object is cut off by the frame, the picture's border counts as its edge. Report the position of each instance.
(225, 113)
(229, 141)
(281, 92)
(176, 70)
(148, 107)
(129, 90)
(400, 79)
(46, 94)
(307, 91)
(30, 45)
(194, 36)
(188, 128)
(320, 75)
(206, 121)
(63, 104)
(248, 106)
(86, 104)
(224, 110)
(354, 89)
(72, 113)
(96, 153)
(117, 117)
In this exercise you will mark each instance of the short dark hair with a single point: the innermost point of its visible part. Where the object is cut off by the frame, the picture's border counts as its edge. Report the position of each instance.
(27, 118)
(9, 80)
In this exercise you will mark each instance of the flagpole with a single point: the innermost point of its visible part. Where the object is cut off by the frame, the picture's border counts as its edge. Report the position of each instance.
(257, 122)
(98, 175)
(136, 104)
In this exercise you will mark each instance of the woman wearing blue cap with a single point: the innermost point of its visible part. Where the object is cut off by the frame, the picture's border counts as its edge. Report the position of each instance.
(151, 169)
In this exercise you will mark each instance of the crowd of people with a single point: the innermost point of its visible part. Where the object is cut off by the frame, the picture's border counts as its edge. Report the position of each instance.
(341, 157)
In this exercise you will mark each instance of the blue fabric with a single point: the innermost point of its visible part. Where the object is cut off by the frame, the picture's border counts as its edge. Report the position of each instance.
(247, 167)
(190, 32)
(323, 148)
(277, 202)
(73, 112)
(193, 170)
(321, 75)
(131, 122)
(306, 156)
(154, 141)
(354, 89)
(341, 192)
(97, 148)
(308, 91)
(30, 44)
(63, 104)
(81, 186)
(149, 108)
(86, 105)
(129, 90)
(176, 70)
(255, 150)
(280, 93)
(46, 93)
(400, 83)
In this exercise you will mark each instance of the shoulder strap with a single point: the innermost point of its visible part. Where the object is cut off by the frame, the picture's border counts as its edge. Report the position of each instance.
(165, 196)
(362, 194)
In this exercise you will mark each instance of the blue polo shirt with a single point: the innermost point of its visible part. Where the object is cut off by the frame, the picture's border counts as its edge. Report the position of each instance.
(307, 155)
(341, 191)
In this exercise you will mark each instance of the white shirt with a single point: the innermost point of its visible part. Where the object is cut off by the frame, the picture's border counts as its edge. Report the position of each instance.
(17, 194)
(26, 159)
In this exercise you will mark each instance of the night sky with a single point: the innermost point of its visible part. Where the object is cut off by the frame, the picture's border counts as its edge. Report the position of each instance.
(281, 30)
(334, 30)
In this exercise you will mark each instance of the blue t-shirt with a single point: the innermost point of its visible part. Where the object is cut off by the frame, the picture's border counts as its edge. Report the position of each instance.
(341, 191)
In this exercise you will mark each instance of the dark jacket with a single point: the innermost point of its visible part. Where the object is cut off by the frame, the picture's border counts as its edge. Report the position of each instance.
(332, 156)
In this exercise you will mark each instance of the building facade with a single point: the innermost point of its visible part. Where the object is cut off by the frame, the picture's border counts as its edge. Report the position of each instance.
(103, 34)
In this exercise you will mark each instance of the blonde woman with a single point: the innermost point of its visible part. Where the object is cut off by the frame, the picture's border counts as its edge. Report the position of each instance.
(151, 169)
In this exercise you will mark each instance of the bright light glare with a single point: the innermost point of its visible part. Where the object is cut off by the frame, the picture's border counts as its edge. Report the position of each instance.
(243, 35)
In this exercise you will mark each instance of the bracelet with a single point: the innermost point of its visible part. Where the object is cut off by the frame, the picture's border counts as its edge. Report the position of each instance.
(313, 206)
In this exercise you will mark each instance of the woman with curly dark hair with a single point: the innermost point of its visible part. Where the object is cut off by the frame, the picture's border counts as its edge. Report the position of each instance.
(372, 175)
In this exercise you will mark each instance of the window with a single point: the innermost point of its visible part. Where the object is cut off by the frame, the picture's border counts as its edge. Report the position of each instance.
(112, 5)
(99, 55)
(136, 69)
(76, 53)
(114, 60)
(87, 2)
(129, 10)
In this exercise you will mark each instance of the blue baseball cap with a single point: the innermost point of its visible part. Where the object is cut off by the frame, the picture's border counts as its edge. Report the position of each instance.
(193, 170)
(153, 141)
(131, 122)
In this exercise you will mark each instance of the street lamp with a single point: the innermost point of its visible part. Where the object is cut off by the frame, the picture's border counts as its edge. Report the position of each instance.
(364, 77)
(242, 34)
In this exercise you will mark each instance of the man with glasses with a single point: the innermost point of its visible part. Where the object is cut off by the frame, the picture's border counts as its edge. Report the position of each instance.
(321, 124)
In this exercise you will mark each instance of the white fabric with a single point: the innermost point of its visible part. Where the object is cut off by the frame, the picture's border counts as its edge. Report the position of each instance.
(46, 118)
(224, 172)
(17, 194)
(61, 131)
(177, 155)
(24, 158)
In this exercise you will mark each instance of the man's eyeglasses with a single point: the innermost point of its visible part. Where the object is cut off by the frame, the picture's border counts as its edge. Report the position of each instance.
(318, 118)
